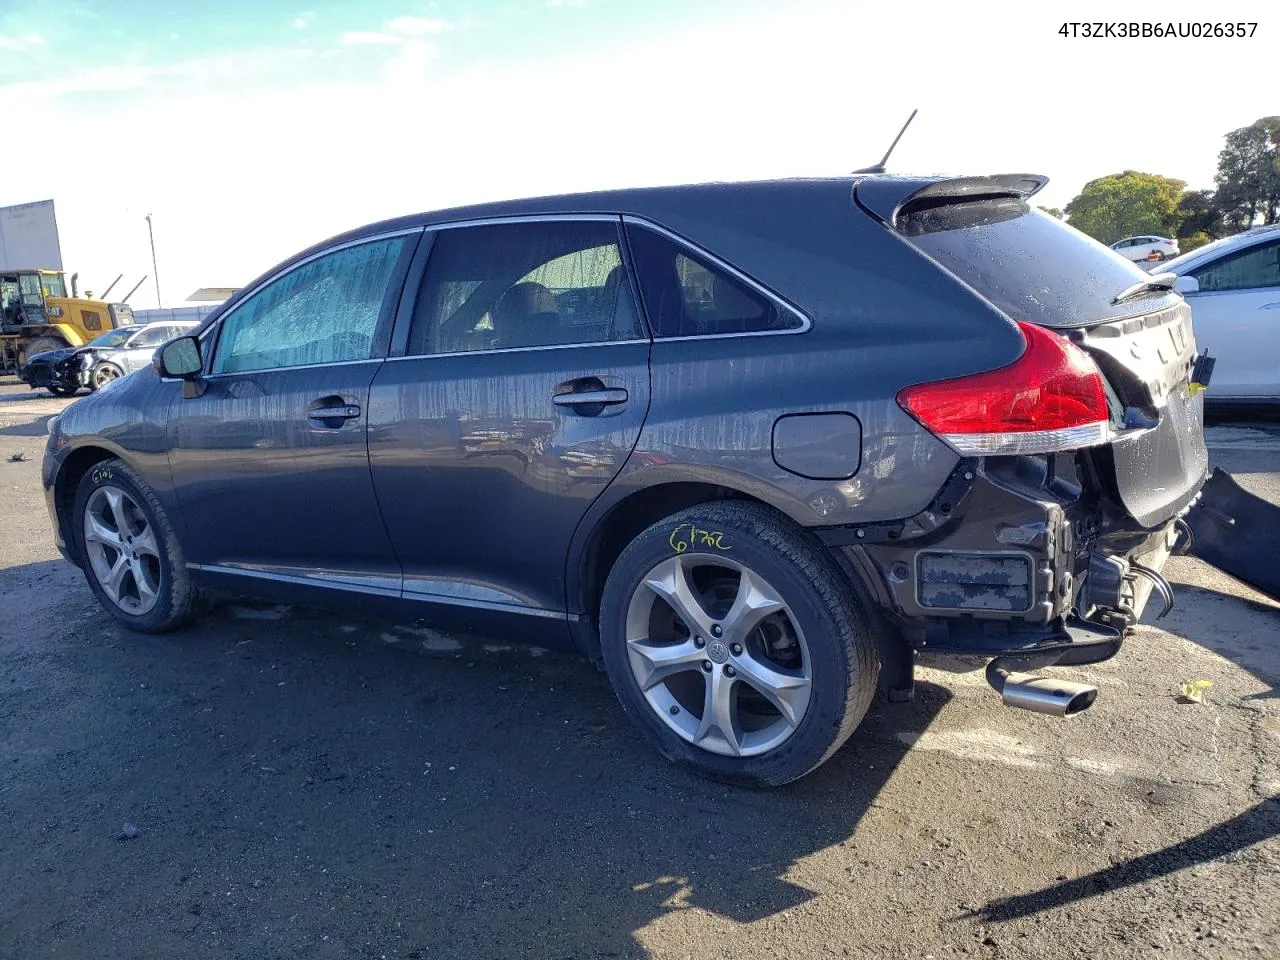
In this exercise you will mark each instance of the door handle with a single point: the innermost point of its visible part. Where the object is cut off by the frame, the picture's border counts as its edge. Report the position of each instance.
(608, 397)
(346, 411)
(1270, 306)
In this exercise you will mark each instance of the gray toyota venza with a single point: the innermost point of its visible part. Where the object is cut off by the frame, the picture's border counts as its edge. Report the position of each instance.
(753, 447)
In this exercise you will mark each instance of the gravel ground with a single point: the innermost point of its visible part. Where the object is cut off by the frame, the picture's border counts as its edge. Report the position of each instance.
(282, 783)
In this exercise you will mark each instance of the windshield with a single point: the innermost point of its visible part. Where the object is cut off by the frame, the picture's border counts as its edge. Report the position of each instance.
(113, 338)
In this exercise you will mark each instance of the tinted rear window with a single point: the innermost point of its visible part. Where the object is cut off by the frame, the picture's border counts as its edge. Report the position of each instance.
(1030, 265)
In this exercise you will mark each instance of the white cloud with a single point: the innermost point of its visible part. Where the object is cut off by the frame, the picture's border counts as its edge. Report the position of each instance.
(397, 31)
(26, 41)
(416, 26)
(303, 20)
(410, 66)
(359, 38)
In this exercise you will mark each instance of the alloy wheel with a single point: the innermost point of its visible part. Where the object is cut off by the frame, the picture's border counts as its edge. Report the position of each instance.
(122, 549)
(718, 654)
(104, 374)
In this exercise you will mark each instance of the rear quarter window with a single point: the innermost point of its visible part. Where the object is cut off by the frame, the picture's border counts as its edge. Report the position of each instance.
(686, 295)
(1030, 265)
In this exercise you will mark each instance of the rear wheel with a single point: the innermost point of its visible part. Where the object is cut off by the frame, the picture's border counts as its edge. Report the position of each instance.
(104, 373)
(736, 645)
(130, 554)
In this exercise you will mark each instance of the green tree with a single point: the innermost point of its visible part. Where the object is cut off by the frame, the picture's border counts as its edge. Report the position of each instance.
(1198, 213)
(1249, 174)
(1125, 204)
(1052, 211)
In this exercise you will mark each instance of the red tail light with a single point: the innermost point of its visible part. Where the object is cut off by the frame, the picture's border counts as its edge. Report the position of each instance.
(1051, 398)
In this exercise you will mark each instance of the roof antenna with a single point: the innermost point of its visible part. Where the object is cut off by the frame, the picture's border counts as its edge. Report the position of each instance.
(880, 167)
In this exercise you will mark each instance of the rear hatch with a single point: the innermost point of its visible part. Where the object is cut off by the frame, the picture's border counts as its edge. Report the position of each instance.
(1037, 269)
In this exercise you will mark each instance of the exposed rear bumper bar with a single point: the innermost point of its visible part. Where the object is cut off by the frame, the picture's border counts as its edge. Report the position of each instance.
(1075, 643)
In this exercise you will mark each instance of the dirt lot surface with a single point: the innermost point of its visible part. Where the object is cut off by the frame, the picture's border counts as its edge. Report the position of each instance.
(287, 783)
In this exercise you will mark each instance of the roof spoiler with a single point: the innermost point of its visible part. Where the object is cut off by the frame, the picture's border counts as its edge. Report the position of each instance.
(890, 198)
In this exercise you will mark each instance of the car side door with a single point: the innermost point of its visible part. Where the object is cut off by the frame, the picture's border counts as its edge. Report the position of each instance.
(517, 389)
(1236, 313)
(270, 459)
(142, 346)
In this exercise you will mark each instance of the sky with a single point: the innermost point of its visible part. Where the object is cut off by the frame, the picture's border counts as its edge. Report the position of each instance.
(249, 129)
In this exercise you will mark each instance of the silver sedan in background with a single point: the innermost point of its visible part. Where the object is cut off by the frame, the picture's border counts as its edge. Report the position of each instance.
(102, 364)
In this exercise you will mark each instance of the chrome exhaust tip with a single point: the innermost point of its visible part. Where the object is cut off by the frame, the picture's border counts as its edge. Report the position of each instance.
(1026, 691)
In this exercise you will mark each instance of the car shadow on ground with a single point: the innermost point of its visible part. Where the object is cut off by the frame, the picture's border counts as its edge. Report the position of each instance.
(1258, 823)
(1213, 620)
(35, 428)
(445, 797)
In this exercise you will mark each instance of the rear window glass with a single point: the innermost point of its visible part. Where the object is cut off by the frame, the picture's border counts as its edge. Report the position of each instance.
(1030, 265)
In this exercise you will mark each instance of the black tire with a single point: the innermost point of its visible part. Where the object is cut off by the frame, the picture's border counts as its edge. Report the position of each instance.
(842, 651)
(43, 345)
(62, 391)
(103, 374)
(178, 601)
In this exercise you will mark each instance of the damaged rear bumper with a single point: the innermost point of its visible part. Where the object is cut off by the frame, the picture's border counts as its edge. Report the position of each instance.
(1017, 557)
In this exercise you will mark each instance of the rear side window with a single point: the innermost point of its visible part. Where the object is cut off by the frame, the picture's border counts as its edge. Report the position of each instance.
(1030, 265)
(523, 285)
(687, 296)
(1251, 269)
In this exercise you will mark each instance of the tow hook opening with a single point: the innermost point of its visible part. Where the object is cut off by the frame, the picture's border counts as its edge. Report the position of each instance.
(1027, 691)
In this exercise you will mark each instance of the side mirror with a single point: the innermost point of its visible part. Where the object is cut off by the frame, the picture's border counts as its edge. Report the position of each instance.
(179, 358)
(1185, 285)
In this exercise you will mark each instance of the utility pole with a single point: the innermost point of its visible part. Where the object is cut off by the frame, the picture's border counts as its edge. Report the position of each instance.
(155, 271)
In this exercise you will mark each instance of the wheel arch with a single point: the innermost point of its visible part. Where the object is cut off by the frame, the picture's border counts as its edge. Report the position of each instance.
(614, 527)
(67, 481)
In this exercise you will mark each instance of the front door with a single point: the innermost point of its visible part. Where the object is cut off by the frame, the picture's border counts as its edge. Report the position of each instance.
(523, 388)
(1236, 315)
(270, 464)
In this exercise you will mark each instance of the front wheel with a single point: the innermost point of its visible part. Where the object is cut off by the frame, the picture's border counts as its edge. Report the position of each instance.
(736, 645)
(58, 391)
(130, 554)
(103, 374)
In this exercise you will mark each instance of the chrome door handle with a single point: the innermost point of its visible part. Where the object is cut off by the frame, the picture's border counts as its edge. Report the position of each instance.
(608, 397)
(346, 412)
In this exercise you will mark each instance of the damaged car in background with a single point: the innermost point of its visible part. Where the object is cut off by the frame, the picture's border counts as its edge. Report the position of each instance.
(754, 447)
(105, 358)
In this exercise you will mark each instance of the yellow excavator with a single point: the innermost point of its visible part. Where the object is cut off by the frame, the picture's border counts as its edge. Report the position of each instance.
(36, 315)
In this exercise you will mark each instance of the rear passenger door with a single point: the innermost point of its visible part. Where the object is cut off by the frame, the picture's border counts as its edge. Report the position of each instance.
(515, 392)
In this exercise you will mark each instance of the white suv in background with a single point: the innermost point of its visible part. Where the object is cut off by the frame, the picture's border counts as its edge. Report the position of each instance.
(1233, 286)
(1140, 249)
